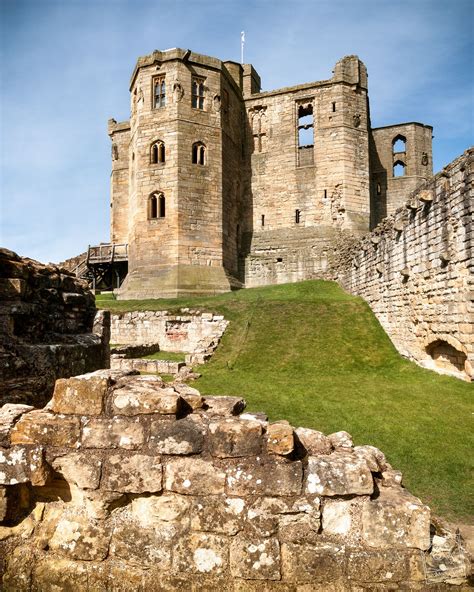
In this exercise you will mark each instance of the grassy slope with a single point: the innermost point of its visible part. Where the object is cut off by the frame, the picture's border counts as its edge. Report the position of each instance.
(318, 357)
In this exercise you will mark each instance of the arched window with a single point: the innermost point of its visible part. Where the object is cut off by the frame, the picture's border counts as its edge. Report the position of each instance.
(198, 93)
(157, 152)
(399, 144)
(156, 206)
(199, 153)
(398, 169)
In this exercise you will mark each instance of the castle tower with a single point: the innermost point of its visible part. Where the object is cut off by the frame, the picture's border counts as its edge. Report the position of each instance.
(179, 207)
(400, 159)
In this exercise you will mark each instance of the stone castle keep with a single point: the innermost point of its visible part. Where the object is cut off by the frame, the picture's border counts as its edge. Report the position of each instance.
(217, 185)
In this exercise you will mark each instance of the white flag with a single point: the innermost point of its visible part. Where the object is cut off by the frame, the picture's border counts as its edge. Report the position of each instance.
(242, 36)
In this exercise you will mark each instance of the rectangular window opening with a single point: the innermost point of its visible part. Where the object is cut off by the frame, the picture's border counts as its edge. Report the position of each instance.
(159, 92)
(263, 220)
(334, 107)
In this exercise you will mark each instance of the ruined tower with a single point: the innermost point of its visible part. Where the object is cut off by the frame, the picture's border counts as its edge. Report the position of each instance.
(217, 185)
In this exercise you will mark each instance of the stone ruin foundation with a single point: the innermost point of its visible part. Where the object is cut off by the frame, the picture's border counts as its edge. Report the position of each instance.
(125, 483)
(48, 329)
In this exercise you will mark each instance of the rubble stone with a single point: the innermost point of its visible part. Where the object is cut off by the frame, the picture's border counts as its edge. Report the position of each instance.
(47, 429)
(81, 395)
(265, 477)
(184, 436)
(115, 432)
(132, 473)
(194, 477)
(255, 559)
(338, 474)
(280, 439)
(234, 437)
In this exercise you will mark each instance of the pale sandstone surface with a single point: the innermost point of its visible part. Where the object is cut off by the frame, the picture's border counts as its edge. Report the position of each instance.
(204, 498)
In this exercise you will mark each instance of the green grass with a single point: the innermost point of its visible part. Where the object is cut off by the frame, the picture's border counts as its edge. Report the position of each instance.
(313, 355)
(167, 356)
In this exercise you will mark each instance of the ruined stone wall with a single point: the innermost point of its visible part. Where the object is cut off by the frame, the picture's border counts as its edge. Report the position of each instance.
(47, 329)
(125, 483)
(303, 197)
(416, 272)
(189, 331)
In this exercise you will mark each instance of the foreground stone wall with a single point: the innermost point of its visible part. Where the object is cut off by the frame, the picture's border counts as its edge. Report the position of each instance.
(126, 483)
(48, 329)
(416, 272)
(189, 332)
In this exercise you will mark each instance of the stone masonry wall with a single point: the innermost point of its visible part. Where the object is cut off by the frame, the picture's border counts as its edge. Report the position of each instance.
(126, 483)
(48, 329)
(416, 272)
(189, 332)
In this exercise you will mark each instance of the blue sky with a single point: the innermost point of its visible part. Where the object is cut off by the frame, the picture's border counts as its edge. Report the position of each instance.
(66, 64)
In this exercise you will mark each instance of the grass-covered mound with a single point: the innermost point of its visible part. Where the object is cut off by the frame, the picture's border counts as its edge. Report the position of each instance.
(313, 355)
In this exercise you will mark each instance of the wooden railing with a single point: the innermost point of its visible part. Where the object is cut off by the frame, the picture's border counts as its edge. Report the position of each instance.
(107, 253)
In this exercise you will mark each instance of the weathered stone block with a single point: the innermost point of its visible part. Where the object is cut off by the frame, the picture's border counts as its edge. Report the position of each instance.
(143, 396)
(48, 429)
(201, 554)
(220, 514)
(112, 433)
(190, 395)
(194, 477)
(374, 458)
(224, 405)
(337, 516)
(280, 439)
(81, 468)
(265, 477)
(79, 538)
(81, 395)
(9, 414)
(299, 528)
(313, 441)
(182, 436)
(11, 288)
(21, 464)
(132, 473)
(396, 519)
(134, 543)
(378, 566)
(338, 474)
(255, 559)
(155, 509)
(234, 437)
(315, 564)
(341, 440)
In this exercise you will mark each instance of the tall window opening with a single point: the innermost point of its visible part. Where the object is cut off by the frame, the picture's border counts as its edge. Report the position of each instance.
(399, 144)
(199, 153)
(305, 130)
(157, 153)
(297, 216)
(198, 93)
(159, 92)
(399, 169)
(156, 206)
(334, 107)
(258, 119)
(262, 220)
(305, 126)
